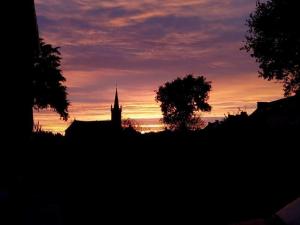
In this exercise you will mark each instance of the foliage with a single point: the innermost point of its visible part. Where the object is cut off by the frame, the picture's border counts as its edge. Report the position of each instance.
(181, 101)
(274, 40)
(48, 88)
(129, 123)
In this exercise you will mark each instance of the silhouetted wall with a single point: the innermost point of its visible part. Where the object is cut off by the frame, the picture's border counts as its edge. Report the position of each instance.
(21, 42)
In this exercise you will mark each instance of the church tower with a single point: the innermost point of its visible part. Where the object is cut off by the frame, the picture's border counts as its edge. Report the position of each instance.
(116, 112)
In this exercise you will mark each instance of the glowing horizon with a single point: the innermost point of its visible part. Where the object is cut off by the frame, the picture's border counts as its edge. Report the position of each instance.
(143, 44)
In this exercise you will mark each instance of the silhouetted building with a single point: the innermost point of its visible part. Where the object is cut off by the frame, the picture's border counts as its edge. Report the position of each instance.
(21, 43)
(93, 129)
(279, 114)
(116, 112)
(282, 113)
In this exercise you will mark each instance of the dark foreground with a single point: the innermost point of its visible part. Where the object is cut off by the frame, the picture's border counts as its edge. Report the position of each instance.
(212, 177)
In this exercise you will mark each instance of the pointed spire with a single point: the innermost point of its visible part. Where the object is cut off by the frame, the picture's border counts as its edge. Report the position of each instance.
(116, 104)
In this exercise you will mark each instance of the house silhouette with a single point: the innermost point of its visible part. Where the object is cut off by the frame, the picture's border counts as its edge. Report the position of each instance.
(281, 113)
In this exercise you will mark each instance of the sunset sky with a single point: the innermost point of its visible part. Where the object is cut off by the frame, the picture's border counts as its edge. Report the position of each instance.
(141, 44)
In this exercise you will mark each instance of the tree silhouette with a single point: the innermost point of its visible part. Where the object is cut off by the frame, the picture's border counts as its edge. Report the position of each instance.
(182, 99)
(273, 39)
(48, 88)
(129, 123)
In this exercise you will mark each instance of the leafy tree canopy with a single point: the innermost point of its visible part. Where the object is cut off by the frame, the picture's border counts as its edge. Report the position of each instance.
(181, 101)
(273, 39)
(48, 88)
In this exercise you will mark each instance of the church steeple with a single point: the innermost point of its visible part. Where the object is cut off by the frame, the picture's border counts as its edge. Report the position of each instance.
(116, 104)
(116, 112)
